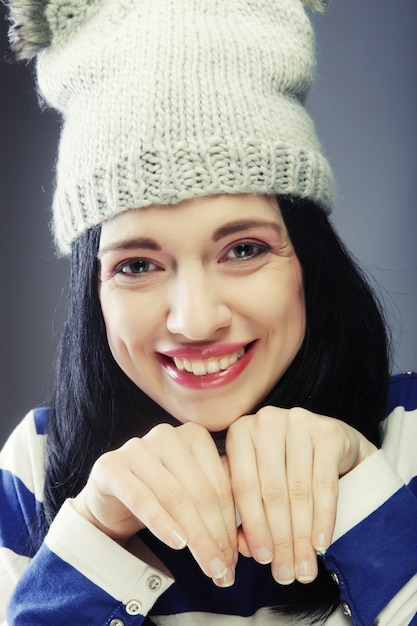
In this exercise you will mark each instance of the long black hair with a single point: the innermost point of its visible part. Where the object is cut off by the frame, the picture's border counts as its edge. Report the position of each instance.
(341, 370)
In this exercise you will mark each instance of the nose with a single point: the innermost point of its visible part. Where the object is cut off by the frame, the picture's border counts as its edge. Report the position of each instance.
(197, 308)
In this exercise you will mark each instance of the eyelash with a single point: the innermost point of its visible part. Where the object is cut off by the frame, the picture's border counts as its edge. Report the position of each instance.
(255, 248)
(260, 249)
(120, 269)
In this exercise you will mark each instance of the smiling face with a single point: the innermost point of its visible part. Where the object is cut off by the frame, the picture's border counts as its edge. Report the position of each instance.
(203, 303)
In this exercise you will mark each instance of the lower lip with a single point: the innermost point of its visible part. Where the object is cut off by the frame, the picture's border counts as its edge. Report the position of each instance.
(209, 381)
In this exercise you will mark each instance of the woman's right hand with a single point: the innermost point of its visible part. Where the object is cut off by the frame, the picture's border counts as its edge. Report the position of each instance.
(171, 481)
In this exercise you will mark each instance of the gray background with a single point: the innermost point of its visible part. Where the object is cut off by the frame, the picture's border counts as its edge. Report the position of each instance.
(365, 106)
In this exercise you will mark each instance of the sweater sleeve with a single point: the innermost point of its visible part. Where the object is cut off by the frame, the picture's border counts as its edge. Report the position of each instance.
(373, 555)
(77, 574)
(80, 576)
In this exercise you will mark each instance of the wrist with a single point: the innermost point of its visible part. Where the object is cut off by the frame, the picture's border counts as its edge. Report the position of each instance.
(81, 507)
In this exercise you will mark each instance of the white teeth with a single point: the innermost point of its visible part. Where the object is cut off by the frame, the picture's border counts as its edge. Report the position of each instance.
(224, 362)
(199, 368)
(178, 363)
(211, 366)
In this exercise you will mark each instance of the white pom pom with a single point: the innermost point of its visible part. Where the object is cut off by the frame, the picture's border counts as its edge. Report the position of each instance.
(29, 31)
(319, 6)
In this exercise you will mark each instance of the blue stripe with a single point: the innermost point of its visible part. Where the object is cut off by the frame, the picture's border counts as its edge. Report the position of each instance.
(412, 485)
(382, 540)
(50, 591)
(193, 591)
(402, 391)
(20, 513)
(41, 416)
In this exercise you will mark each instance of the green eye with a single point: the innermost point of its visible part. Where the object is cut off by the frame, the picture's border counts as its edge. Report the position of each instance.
(136, 266)
(246, 250)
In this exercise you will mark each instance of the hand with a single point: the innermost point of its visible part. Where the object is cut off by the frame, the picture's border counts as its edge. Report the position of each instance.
(173, 482)
(284, 469)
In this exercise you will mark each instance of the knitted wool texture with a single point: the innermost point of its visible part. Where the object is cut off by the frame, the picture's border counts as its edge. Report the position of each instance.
(165, 100)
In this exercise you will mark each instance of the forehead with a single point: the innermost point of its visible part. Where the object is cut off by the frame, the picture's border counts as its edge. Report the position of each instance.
(208, 215)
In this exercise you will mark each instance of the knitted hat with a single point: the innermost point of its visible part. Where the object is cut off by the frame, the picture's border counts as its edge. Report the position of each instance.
(164, 100)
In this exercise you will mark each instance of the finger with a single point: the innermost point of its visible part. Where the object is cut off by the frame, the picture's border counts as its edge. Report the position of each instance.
(325, 491)
(197, 505)
(272, 474)
(299, 463)
(243, 544)
(216, 470)
(246, 489)
(121, 504)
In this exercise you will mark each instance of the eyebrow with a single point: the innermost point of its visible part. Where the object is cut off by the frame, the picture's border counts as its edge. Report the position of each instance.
(130, 244)
(223, 231)
(240, 225)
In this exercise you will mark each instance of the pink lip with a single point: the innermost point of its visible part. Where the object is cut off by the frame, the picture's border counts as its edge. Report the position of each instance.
(215, 350)
(186, 379)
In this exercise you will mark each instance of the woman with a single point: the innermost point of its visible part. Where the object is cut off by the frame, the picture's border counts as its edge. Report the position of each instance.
(223, 371)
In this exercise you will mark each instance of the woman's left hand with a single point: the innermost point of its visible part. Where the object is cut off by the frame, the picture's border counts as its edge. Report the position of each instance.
(285, 466)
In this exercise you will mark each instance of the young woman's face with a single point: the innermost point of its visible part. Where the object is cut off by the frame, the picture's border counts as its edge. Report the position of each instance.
(203, 303)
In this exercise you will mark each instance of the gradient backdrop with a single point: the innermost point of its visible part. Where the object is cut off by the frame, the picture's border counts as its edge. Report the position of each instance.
(365, 107)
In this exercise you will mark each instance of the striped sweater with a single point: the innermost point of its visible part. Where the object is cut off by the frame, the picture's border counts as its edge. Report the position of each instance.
(80, 576)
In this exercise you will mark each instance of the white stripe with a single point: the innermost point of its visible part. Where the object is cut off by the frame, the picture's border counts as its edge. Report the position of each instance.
(12, 567)
(115, 570)
(363, 490)
(23, 455)
(400, 442)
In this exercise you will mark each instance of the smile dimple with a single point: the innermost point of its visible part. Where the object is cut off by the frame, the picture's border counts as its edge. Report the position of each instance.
(200, 367)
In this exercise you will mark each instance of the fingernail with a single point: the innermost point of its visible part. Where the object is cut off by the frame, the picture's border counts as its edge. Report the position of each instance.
(263, 555)
(321, 543)
(218, 568)
(284, 575)
(178, 539)
(227, 580)
(304, 571)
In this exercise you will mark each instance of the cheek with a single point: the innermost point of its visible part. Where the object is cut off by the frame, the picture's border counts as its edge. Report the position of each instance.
(281, 300)
(127, 322)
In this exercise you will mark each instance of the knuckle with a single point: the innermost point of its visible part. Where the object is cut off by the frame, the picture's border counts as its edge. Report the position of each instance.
(327, 514)
(104, 465)
(171, 497)
(154, 518)
(273, 492)
(222, 543)
(160, 432)
(234, 429)
(133, 499)
(205, 496)
(298, 492)
(131, 445)
(268, 413)
(283, 545)
(330, 427)
(297, 414)
(254, 529)
(224, 489)
(201, 540)
(243, 487)
(328, 484)
(302, 543)
(192, 434)
(193, 428)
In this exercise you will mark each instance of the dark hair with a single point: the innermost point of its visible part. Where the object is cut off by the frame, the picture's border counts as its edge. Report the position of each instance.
(341, 370)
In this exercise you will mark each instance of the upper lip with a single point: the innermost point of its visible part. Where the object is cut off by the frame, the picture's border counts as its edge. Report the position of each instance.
(204, 352)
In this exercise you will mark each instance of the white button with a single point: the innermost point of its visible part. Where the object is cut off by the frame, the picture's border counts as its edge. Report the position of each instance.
(133, 607)
(154, 582)
(346, 609)
(116, 622)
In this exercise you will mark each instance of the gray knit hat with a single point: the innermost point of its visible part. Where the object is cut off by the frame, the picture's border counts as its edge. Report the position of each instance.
(164, 100)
